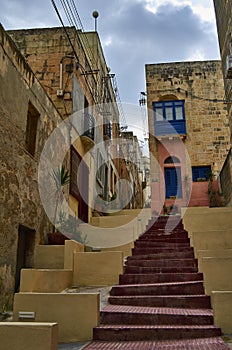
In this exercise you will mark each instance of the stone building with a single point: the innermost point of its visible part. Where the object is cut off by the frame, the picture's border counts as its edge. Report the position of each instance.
(189, 132)
(58, 107)
(71, 66)
(223, 10)
(27, 118)
(132, 153)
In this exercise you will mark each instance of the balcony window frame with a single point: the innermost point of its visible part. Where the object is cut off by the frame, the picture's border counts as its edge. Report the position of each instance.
(167, 118)
(167, 105)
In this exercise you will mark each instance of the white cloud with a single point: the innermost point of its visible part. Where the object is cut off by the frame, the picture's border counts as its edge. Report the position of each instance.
(201, 8)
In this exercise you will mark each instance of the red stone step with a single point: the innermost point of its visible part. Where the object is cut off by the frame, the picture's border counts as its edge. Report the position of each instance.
(145, 332)
(214, 343)
(160, 299)
(161, 232)
(166, 240)
(161, 262)
(163, 245)
(151, 270)
(179, 301)
(159, 278)
(175, 288)
(144, 243)
(143, 252)
(138, 315)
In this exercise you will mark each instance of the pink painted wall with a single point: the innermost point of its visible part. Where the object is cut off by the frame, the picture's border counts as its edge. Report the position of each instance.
(198, 191)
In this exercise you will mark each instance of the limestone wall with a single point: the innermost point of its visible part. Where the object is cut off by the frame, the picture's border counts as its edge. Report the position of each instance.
(223, 11)
(198, 83)
(20, 202)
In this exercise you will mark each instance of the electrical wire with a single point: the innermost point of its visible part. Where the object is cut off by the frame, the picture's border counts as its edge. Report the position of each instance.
(74, 20)
(215, 100)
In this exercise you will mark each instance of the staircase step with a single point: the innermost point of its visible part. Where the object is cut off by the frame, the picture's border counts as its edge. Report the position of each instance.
(146, 332)
(143, 252)
(175, 288)
(179, 301)
(214, 343)
(160, 301)
(166, 239)
(153, 244)
(161, 262)
(151, 270)
(159, 278)
(161, 233)
(121, 314)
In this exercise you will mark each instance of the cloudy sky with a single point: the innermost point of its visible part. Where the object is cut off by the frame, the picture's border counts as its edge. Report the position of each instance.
(133, 32)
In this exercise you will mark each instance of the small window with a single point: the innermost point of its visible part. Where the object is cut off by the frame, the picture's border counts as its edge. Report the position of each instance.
(201, 173)
(31, 131)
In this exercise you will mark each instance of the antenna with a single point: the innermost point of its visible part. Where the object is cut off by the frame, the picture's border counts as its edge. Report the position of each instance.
(95, 16)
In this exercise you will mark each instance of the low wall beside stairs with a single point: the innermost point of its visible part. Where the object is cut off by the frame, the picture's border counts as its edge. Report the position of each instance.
(210, 233)
(76, 314)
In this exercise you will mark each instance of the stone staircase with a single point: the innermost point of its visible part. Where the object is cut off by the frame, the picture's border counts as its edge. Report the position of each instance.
(160, 301)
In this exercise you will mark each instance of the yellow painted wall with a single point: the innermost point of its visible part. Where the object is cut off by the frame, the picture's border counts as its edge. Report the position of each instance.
(126, 249)
(45, 281)
(49, 257)
(97, 269)
(216, 253)
(206, 219)
(217, 274)
(76, 314)
(222, 309)
(70, 248)
(211, 240)
(28, 336)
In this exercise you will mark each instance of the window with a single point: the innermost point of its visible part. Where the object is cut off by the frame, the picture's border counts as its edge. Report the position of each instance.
(201, 173)
(169, 110)
(31, 131)
(100, 168)
(169, 117)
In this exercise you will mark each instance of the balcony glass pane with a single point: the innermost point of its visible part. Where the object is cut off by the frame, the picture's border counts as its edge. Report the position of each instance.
(169, 113)
(159, 115)
(179, 113)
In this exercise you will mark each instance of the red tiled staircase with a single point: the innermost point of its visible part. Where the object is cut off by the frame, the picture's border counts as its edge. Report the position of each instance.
(160, 301)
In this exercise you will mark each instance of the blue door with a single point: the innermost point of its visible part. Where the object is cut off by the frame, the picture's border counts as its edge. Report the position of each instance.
(173, 183)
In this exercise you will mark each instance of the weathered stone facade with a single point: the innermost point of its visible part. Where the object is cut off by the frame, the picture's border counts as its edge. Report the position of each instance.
(22, 214)
(78, 81)
(207, 139)
(223, 10)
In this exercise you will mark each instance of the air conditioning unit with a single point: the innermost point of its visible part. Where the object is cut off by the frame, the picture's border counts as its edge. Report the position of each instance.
(229, 67)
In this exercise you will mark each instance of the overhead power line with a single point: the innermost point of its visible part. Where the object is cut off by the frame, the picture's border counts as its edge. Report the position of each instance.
(98, 77)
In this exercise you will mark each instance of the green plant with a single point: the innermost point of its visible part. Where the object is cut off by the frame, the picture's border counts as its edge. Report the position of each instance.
(165, 209)
(215, 196)
(70, 227)
(61, 178)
